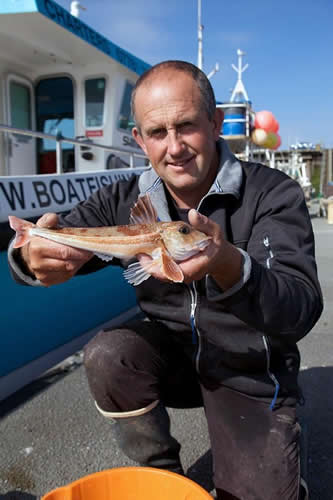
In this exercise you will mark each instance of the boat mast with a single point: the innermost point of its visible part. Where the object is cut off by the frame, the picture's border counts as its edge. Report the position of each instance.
(200, 51)
(200, 30)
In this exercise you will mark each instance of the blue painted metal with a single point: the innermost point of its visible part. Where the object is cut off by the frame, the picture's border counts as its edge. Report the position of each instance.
(36, 320)
(62, 17)
(16, 6)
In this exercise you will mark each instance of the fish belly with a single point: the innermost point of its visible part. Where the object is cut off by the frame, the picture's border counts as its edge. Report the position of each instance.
(123, 249)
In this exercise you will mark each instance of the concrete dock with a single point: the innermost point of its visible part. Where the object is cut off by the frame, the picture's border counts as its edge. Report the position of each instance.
(51, 433)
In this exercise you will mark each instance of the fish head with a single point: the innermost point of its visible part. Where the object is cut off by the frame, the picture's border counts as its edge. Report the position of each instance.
(182, 240)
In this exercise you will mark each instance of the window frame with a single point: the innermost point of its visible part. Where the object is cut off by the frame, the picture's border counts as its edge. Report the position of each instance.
(126, 82)
(105, 107)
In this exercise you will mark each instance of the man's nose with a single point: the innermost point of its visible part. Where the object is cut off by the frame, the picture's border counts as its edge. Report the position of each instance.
(175, 143)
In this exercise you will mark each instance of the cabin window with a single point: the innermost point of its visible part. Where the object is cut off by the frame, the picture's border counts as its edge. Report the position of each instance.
(20, 105)
(95, 96)
(55, 115)
(55, 110)
(125, 120)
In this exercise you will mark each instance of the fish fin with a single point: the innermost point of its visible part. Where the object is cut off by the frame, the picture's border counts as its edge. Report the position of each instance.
(136, 274)
(104, 256)
(171, 269)
(21, 227)
(143, 211)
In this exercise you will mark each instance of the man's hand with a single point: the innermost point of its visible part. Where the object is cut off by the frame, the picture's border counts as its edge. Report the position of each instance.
(52, 263)
(220, 259)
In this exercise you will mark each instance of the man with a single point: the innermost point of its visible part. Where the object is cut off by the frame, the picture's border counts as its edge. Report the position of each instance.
(226, 337)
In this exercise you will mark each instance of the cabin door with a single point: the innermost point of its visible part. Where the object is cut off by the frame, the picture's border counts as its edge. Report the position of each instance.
(21, 159)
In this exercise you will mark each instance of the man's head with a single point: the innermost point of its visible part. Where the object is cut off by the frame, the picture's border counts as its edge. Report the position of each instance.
(177, 127)
(198, 76)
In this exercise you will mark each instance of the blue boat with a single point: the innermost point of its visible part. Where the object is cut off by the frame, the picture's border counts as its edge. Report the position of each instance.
(65, 130)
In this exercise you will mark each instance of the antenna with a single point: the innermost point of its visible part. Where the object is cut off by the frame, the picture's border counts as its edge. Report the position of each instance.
(215, 70)
(200, 51)
(200, 30)
(239, 87)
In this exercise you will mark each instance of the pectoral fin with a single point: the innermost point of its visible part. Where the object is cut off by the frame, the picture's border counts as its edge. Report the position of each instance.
(171, 269)
(136, 274)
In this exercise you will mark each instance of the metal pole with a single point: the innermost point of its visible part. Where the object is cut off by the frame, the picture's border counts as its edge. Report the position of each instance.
(200, 29)
(59, 152)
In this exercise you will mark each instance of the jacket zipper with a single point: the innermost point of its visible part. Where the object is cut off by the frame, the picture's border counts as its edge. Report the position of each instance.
(196, 337)
(267, 245)
(271, 375)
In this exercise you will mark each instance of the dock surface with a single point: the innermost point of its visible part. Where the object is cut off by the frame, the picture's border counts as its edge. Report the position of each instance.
(51, 433)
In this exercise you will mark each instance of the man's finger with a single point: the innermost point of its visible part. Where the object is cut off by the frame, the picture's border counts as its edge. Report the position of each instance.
(49, 279)
(48, 220)
(47, 248)
(202, 223)
(56, 266)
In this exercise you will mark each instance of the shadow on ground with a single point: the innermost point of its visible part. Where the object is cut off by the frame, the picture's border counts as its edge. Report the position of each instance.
(39, 385)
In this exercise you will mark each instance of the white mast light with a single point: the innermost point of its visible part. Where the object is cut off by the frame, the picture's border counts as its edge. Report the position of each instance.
(239, 87)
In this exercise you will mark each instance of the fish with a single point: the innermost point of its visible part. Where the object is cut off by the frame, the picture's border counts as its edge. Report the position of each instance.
(167, 243)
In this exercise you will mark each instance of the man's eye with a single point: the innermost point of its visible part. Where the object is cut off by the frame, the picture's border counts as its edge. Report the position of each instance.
(185, 126)
(159, 132)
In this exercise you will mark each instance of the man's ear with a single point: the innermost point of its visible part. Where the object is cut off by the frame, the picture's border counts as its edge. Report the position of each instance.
(138, 139)
(218, 120)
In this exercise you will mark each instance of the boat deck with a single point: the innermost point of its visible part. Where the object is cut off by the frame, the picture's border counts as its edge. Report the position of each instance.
(51, 433)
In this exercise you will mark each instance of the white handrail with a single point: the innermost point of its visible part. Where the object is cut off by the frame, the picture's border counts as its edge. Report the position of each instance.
(59, 139)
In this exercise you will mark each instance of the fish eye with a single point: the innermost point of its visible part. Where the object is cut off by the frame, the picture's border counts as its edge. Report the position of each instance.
(184, 229)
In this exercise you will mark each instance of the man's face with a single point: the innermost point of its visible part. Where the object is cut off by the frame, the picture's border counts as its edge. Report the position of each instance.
(176, 134)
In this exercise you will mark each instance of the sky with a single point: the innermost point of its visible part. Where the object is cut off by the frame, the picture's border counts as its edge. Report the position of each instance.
(288, 46)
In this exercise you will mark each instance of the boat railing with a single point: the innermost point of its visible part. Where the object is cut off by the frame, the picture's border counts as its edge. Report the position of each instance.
(79, 141)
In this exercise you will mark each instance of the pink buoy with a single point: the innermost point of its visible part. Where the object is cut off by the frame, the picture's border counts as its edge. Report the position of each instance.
(265, 120)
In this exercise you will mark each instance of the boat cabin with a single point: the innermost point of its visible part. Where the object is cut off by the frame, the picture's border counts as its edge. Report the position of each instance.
(60, 77)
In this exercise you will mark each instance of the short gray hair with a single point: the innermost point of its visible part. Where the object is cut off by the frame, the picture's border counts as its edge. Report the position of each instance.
(204, 86)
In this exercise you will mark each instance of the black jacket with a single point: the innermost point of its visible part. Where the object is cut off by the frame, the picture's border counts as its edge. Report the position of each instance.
(246, 338)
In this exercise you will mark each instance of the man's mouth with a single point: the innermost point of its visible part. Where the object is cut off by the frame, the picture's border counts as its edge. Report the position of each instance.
(180, 163)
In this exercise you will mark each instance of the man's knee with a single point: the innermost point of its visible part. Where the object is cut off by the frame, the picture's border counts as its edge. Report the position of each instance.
(108, 349)
(123, 370)
(107, 360)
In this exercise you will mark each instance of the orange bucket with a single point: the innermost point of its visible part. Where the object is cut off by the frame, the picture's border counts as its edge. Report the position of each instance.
(131, 483)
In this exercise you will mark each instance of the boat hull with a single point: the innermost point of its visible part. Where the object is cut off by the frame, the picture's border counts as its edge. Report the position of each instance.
(38, 321)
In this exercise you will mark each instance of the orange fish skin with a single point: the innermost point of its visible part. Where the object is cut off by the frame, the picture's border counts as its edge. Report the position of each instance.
(119, 241)
(166, 242)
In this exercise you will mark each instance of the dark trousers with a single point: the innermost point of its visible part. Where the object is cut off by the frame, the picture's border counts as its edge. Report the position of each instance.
(255, 450)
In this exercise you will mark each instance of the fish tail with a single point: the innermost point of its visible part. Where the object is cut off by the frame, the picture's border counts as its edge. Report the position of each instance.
(22, 230)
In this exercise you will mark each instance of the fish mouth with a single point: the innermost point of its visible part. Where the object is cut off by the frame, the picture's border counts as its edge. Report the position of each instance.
(185, 252)
(201, 245)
